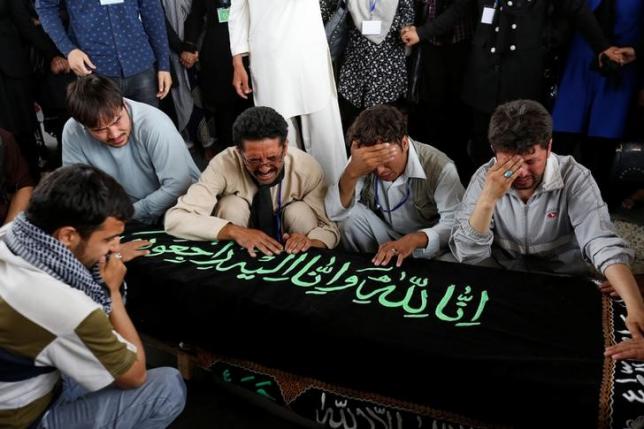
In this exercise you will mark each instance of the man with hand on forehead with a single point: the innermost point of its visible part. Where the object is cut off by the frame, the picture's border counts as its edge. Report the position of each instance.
(532, 210)
(262, 194)
(396, 197)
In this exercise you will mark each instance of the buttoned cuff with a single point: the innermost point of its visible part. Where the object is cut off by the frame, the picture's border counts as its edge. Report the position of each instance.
(433, 245)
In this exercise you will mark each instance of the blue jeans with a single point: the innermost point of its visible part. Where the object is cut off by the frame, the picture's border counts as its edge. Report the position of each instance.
(154, 405)
(141, 87)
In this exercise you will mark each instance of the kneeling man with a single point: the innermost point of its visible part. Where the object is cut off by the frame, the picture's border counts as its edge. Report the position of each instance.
(396, 196)
(62, 313)
(263, 194)
(133, 142)
(532, 210)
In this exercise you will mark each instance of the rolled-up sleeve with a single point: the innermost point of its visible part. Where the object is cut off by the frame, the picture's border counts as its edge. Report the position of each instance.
(594, 230)
(466, 244)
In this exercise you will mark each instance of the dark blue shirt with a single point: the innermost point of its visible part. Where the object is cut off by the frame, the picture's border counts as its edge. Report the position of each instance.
(121, 39)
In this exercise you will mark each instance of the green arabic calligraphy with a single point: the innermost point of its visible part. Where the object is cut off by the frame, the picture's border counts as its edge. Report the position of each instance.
(381, 285)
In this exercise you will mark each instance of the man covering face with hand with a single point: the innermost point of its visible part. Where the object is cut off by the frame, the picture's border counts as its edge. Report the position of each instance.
(532, 210)
(396, 197)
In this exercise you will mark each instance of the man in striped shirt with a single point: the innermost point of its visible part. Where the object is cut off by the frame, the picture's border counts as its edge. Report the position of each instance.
(62, 314)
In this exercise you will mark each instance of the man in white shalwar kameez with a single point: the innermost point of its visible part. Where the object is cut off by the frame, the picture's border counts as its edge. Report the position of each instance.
(291, 72)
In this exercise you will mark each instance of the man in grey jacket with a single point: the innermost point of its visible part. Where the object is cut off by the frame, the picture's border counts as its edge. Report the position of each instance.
(530, 209)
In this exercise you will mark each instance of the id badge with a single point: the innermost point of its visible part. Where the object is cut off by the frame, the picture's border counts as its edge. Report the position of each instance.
(488, 15)
(109, 2)
(370, 28)
(222, 14)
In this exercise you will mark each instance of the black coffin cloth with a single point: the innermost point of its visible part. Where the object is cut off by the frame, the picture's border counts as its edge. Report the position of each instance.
(502, 348)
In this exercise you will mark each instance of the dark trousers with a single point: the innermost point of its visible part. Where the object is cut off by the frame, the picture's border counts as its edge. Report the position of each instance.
(140, 87)
(441, 119)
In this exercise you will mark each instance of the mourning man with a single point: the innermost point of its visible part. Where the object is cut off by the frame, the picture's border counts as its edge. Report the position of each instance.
(62, 313)
(396, 197)
(135, 143)
(261, 193)
(530, 209)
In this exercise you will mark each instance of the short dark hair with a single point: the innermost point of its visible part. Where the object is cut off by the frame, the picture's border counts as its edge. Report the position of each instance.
(258, 123)
(79, 196)
(378, 124)
(518, 125)
(92, 99)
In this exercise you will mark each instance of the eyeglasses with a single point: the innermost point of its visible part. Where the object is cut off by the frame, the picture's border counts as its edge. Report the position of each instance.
(258, 162)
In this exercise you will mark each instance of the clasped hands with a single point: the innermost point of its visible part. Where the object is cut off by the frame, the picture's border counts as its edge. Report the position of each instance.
(622, 56)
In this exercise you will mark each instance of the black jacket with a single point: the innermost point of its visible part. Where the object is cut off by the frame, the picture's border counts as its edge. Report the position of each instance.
(507, 60)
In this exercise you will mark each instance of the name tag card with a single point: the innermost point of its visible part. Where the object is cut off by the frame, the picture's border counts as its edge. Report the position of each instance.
(370, 28)
(223, 14)
(109, 2)
(488, 15)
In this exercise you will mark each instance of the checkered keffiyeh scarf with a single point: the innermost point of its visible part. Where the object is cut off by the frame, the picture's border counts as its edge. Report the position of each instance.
(48, 254)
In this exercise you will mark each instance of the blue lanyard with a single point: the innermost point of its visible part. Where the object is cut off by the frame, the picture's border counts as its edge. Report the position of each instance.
(397, 206)
(278, 214)
(372, 6)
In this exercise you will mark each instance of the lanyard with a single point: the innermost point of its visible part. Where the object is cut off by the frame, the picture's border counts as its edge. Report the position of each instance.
(278, 214)
(397, 206)
(372, 6)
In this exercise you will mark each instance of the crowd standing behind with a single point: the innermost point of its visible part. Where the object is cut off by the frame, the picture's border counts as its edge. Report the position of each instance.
(425, 90)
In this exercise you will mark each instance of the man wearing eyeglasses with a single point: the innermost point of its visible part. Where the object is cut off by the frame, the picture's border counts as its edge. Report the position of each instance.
(135, 143)
(396, 197)
(262, 194)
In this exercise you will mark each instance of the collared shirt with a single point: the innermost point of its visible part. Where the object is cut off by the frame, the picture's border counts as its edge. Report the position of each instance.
(563, 225)
(121, 39)
(406, 219)
(226, 175)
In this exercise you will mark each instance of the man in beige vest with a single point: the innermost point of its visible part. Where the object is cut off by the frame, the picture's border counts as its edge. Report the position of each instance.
(396, 197)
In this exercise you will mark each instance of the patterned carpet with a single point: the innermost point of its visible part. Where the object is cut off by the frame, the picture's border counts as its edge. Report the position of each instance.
(634, 234)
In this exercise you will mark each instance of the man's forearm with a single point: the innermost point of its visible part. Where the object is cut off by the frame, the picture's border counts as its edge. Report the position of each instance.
(347, 186)
(19, 203)
(481, 217)
(123, 325)
(622, 280)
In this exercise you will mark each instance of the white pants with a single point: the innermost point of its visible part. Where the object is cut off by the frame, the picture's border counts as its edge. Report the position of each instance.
(321, 136)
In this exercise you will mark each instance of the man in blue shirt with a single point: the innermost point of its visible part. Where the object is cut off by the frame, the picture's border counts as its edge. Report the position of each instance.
(125, 40)
(136, 144)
